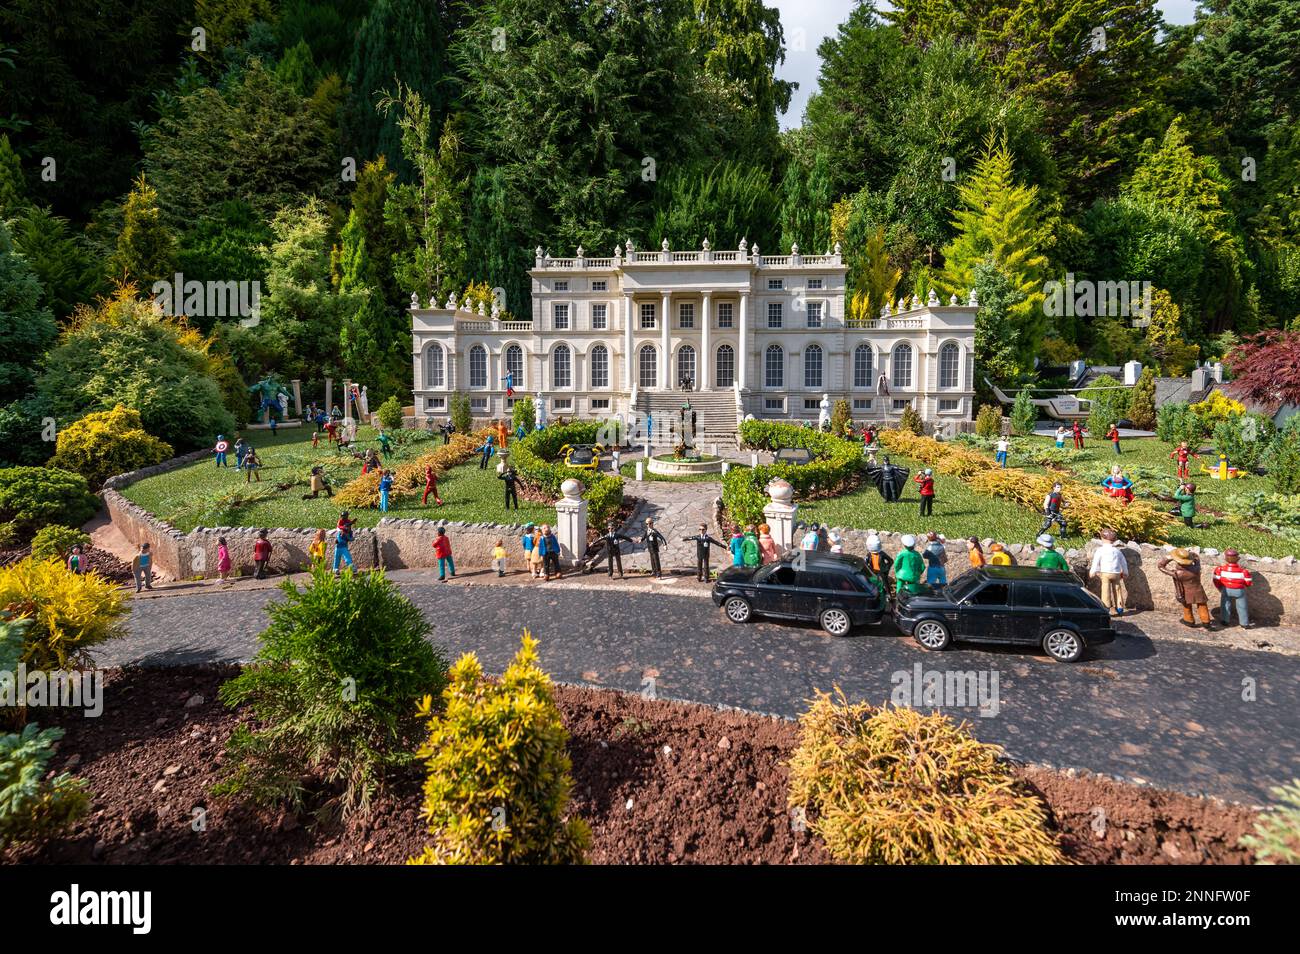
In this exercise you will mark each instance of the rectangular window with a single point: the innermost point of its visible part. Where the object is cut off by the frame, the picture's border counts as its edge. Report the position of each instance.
(562, 404)
(811, 404)
(435, 404)
(774, 314)
(901, 404)
(814, 284)
(600, 404)
(814, 314)
(774, 404)
(862, 404)
(511, 402)
(686, 315)
(724, 314)
(599, 367)
(599, 285)
(949, 404)
(478, 404)
(647, 315)
(560, 313)
(775, 284)
(599, 317)
(562, 285)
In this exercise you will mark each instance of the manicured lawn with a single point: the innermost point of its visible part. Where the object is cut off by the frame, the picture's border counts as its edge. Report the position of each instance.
(959, 512)
(204, 495)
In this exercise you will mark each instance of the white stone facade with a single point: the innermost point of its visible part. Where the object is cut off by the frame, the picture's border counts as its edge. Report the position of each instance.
(608, 334)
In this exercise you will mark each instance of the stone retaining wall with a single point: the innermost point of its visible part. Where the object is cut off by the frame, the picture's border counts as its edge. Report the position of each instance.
(1274, 596)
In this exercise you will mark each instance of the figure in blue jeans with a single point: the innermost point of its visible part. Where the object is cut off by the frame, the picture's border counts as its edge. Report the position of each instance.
(342, 553)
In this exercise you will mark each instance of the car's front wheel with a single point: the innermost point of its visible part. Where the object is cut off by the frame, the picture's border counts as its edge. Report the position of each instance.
(737, 609)
(836, 622)
(932, 635)
(1063, 645)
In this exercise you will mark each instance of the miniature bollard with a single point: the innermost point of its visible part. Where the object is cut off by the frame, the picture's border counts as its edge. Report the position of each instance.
(726, 466)
(640, 470)
(753, 460)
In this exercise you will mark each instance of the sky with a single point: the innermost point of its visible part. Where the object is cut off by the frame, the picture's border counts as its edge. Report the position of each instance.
(808, 22)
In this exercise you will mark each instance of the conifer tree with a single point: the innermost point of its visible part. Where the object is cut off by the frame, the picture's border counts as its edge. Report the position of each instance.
(26, 326)
(146, 248)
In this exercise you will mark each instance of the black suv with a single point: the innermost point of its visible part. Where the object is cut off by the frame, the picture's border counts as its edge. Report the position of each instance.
(1013, 605)
(835, 589)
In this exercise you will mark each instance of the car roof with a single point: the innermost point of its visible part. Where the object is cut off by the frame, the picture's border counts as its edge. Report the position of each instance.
(1027, 573)
(828, 561)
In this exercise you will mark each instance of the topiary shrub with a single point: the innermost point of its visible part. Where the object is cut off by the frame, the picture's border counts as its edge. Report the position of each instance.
(499, 779)
(68, 612)
(32, 805)
(55, 542)
(1176, 423)
(390, 414)
(841, 417)
(893, 786)
(536, 458)
(462, 415)
(334, 690)
(910, 420)
(1244, 439)
(524, 414)
(1024, 414)
(988, 422)
(107, 443)
(1108, 402)
(34, 497)
(1276, 839)
(1142, 408)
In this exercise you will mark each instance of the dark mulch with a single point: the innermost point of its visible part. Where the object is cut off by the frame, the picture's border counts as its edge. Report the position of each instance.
(658, 782)
(100, 561)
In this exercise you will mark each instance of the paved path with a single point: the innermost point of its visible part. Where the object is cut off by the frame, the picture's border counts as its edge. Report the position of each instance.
(1169, 713)
(678, 509)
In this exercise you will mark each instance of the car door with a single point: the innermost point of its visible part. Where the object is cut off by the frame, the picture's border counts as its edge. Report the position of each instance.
(1032, 612)
(775, 591)
(818, 589)
(1078, 607)
(986, 614)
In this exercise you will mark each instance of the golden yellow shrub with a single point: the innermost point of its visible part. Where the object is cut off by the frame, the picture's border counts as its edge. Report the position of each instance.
(69, 612)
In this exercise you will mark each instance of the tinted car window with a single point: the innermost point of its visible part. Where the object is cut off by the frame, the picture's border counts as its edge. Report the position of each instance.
(994, 594)
(783, 575)
(1029, 595)
(1067, 597)
(962, 587)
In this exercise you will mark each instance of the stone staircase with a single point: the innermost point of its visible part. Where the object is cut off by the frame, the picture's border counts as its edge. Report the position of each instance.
(715, 415)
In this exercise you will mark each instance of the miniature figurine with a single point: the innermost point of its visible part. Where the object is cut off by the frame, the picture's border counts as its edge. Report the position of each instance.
(1076, 430)
(511, 478)
(487, 449)
(653, 540)
(220, 450)
(878, 560)
(908, 567)
(430, 487)
(499, 556)
(1110, 566)
(1112, 435)
(936, 560)
(1049, 559)
(750, 555)
(975, 553)
(998, 556)
(142, 568)
(1185, 569)
(766, 545)
(889, 479)
(1182, 453)
(550, 545)
(737, 547)
(1053, 504)
(1232, 580)
(702, 543)
(925, 480)
(223, 560)
(318, 483)
(1002, 448)
(442, 550)
(261, 554)
(1185, 496)
(1061, 433)
(1119, 486)
(385, 488)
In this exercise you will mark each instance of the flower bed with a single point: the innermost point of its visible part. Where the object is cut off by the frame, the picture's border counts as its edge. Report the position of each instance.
(836, 467)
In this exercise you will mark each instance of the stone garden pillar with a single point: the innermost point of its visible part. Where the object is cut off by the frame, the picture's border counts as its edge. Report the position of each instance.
(571, 522)
(780, 513)
(297, 397)
(329, 395)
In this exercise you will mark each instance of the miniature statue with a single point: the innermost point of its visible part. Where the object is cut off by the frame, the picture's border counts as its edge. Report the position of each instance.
(1186, 499)
(925, 480)
(219, 450)
(610, 550)
(936, 560)
(1049, 559)
(878, 560)
(1232, 580)
(511, 478)
(1183, 452)
(1053, 504)
(1119, 486)
(1185, 569)
(889, 479)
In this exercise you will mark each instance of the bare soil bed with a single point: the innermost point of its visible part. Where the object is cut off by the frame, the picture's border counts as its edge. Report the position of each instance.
(659, 782)
(100, 561)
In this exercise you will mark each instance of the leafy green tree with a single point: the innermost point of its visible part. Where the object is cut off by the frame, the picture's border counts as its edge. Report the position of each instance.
(146, 247)
(1142, 407)
(461, 413)
(27, 328)
(806, 206)
(999, 336)
(13, 190)
(723, 202)
(123, 352)
(1024, 414)
(226, 246)
(1165, 337)
(1283, 457)
(23, 432)
(999, 222)
(1109, 402)
(873, 278)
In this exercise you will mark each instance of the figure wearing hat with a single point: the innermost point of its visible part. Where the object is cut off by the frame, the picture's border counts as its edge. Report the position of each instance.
(1185, 569)
(908, 567)
(1049, 559)
(925, 480)
(998, 556)
(879, 561)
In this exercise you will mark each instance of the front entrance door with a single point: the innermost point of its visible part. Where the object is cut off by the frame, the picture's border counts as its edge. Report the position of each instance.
(686, 368)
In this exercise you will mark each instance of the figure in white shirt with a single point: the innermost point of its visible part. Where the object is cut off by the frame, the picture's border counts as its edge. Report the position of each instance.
(1109, 566)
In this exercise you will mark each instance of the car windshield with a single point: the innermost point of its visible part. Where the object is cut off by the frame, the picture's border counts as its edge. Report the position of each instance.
(778, 574)
(962, 587)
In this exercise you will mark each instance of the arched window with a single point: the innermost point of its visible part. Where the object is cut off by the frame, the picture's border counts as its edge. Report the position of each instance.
(478, 367)
(686, 366)
(726, 367)
(774, 367)
(812, 367)
(901, 367)
(600, 367)
(863, 366)
(949, 365)
(515, 366)
(562, 367)
(648, 367)
(434, 368)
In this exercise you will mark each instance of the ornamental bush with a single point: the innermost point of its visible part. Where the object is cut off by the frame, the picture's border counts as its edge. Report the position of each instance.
(34, 497)
(894, 786)
(462, 415)
(68, 612)
(841, 417)
(390, 414)
(1283, 458)
(537, 459)
(408, 478)
(836, 467)
(910, 420)
(1024, 414)
(1276, 838)
(499, 777)
(55, 542)
(1108, 402)
(106, 443)
(334, 691)
(33, 806)
(1244, 439)
(523, 415)
(988, 422)
(1176, 423)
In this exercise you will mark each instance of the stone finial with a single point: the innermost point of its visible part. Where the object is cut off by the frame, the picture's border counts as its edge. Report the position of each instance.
(794, 248)
(916, 300)
(572, 490)
(780, 490)
(754, 251)
(582, 253)
(973, 300)
(664, 245)
(900, 306)
(932, 299)
(538, 251)
(630, 246)
(482, 308)
(886, 311)
(496, 310)
(705, 245)
(744, 246)
(838, 248)
(415, 300)
(953, 299)
(451, 301)
(618, 251)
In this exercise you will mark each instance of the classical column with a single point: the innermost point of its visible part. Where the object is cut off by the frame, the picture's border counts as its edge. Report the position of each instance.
(705, 363)
(665, 366)
(742, 365)
(627, 342)
(297, 396)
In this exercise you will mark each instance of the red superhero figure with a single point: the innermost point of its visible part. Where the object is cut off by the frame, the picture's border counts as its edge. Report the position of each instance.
(1077, 430)
(1183, 453)
(330, 428)
(430, 487)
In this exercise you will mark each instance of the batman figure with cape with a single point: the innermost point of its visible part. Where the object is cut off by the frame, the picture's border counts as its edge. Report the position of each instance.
(888, 478)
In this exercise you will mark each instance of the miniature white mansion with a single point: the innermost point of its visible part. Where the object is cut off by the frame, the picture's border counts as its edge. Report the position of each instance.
(734, 332)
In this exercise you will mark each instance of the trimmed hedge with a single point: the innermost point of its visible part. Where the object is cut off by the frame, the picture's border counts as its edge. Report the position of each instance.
(836, 468)
(535, 457)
